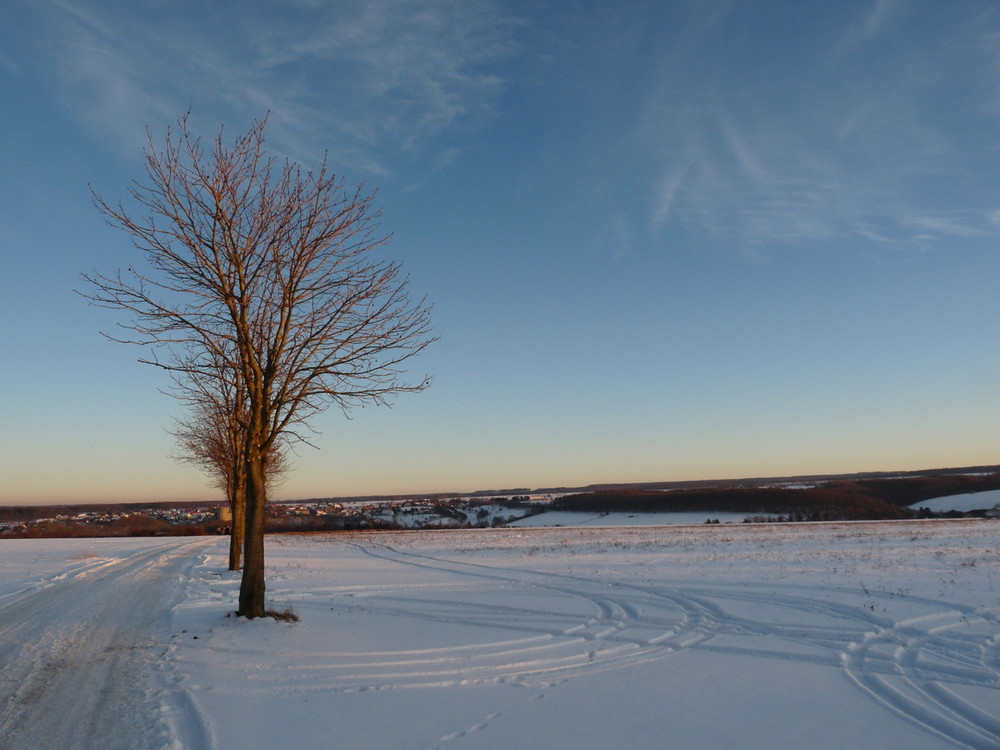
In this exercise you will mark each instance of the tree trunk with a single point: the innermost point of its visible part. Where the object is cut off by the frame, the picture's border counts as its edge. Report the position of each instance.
(252, 585)
(237, 506)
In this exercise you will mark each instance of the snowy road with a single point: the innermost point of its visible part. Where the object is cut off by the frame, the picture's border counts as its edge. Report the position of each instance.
(77, 651)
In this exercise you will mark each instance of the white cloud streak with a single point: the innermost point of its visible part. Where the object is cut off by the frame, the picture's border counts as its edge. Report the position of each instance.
(845, 157)
(366, 79)
(875, 20)
(768, 185)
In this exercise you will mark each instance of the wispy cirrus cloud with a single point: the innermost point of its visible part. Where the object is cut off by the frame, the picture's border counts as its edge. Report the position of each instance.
(856, 146)
(98, 70)
(764, 184)
(366, 79)
(874, 20)
(727, 179)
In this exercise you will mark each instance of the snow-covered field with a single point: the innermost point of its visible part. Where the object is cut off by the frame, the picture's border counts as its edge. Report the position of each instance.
(965, 502)
(752, 636)
(578, 518)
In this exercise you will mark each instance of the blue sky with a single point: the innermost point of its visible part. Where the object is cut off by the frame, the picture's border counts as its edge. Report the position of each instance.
(663, 240)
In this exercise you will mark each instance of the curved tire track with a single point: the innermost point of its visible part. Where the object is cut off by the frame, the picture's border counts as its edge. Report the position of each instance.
(915, 669)
(921, 668)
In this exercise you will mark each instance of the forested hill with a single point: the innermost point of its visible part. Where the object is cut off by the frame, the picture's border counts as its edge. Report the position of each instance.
(862, 499)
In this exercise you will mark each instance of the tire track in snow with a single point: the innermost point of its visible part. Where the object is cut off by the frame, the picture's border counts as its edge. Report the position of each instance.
(918, 668)
(555, 629)
(617, 631)
(939, 671)
(78, 655)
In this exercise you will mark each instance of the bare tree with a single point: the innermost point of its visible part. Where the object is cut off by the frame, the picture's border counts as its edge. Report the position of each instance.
(266, 273)
(211, 439)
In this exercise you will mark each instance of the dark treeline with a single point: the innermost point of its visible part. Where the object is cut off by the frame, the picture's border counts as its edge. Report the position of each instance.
(803, 479)
(912, 490)
(869, 499)
(120, 527)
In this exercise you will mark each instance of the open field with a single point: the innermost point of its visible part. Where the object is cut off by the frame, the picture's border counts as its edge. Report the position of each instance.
(754, 636)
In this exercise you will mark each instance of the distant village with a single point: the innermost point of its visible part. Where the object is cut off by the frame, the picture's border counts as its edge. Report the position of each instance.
(316, 515)
(863, 497)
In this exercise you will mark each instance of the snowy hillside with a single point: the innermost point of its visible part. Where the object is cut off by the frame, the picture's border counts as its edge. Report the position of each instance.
(963, 503)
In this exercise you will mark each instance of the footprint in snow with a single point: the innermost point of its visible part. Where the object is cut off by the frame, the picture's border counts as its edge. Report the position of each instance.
(475, 728)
